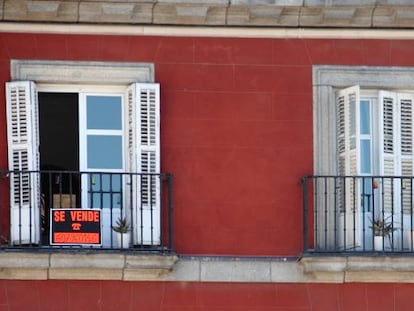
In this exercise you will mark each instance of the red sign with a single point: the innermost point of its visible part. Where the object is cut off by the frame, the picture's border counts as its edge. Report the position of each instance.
(75, 227)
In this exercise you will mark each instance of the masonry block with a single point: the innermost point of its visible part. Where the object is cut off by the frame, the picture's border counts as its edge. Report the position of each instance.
(339, 2)
(125, 13)
(392, 2)
(272, 2)
(85, 274)
(150, 262)
(23, 273)
(189, 14)
(223, 2)
(336, 16)
(1, 9)
(96, 260)
(263, 15)
(324, 264)
(393, 17)
(51, 11)
(24, 260)
(379, 276)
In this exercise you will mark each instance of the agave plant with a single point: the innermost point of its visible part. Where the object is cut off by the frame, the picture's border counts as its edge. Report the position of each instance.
(382, 227)
(121, 225)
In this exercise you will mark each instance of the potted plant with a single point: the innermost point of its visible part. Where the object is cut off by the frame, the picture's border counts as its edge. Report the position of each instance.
(382, 228)
(122, 230)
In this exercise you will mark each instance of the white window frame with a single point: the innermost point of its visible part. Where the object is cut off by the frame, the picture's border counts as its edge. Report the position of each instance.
(78, 76)
(326, 81)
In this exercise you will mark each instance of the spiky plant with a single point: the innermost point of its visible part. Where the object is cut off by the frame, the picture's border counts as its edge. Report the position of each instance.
(121, 225)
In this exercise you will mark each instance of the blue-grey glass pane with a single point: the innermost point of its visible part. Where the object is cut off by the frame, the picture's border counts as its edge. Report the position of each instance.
(103, 200)
(365, 156)
(104, 151)
(104, 112)
(103, 189)
(367, 193)
(365, 117)
(105, 182)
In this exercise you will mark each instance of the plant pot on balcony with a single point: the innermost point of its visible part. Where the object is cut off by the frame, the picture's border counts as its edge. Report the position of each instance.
(382, 230)
(123, 239)
(123, 235)
(379, 243)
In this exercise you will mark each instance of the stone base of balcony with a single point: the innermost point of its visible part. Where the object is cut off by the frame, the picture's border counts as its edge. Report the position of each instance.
(396, 269)
(104, 266)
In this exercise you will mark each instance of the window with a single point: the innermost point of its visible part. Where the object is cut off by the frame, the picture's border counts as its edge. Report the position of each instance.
(368, 132)
(374, 138)
(114, 132)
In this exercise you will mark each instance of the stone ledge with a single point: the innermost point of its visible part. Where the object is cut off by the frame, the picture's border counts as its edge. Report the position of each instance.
(368, 14)
(141, 267)
(360, 268)
(85, 266)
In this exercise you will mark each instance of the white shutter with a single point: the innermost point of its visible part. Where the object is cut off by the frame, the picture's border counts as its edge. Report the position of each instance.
(406, 147)
(23, 153)
(144, 158)
(348, 143)
(388, 146)
(348, 132)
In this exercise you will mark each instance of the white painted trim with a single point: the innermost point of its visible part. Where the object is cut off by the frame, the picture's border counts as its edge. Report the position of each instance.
(81, 72)
(196, 31)
(84, 88)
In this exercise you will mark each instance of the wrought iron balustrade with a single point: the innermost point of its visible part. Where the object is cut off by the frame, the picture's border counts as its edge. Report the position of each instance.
(358, 214)
(144, 200)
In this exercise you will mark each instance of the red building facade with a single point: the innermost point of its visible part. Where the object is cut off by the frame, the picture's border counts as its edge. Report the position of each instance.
(237, 126)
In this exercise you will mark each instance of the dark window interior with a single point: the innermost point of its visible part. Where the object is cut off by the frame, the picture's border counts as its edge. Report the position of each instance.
(59, 131)
(59, 151)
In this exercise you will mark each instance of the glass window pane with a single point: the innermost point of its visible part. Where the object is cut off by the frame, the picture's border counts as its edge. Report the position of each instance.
(104, 151)
(365, 156)
(110, 182)
(365, 117)
(104, 112)
(103, 187)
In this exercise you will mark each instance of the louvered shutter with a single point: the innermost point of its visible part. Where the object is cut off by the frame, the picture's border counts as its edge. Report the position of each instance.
(389, 153)
(406, 145)
(347, 101)
(23, 153)
(144, 158)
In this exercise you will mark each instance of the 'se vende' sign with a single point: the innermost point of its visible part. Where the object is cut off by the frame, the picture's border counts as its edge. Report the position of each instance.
(75, 227)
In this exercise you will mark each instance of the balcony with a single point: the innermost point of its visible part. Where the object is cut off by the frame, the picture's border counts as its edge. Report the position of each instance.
(28, 200)
(357, 215)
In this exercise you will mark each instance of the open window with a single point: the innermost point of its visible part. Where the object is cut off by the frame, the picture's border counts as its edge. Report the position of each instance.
(373, 165)
(112, 149)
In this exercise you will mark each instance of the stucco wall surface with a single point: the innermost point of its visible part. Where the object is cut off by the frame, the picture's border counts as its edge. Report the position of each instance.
(186, 296)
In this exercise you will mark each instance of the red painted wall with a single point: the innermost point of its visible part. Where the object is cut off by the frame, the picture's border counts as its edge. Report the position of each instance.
(104, 295)
(236, 125)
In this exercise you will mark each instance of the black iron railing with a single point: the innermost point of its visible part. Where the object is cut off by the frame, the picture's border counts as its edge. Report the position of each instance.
(358, 214)
(29, 201)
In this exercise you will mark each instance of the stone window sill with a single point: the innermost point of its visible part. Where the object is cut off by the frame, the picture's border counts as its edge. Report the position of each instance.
(85, 266)
(396, 269)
